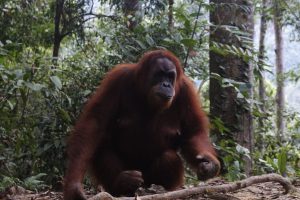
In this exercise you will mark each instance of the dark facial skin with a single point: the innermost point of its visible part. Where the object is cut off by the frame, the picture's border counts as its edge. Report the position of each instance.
(162, 84)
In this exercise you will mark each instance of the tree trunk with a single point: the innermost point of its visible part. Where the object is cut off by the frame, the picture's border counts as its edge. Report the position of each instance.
(234, 112)
(130, 9)
(261, 57)
(170, 15)
(279, 70)
(261, 82)
(57, 32)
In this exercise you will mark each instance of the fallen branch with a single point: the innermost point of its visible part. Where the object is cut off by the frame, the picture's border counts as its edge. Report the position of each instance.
(225, 188)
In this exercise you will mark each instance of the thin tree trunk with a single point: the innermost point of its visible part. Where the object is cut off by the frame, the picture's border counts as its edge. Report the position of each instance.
(170, 15)
(279, 70)
(247, 135)
(261, 81)
(235, 113)
(57, 33)
(261, 57)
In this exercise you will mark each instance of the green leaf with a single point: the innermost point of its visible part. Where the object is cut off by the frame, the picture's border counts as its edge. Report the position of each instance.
(20, 83)
(10, 105)
(87, 92)
(141, 44)
(240, 96)
(282, 161)
(149, 40)
(34, 181)
(64, 115)
(47, 147)
(188, 42)
(272, 163)
(34, 86)
(242, 150)
(56, 81)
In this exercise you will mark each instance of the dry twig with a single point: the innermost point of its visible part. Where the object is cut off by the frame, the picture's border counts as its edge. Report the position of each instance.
(225, 188)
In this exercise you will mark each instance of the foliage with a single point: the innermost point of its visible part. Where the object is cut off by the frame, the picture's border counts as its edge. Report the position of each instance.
(25, 24)
(270, 154)
(31, 183)
(38, 107)
(292, 16)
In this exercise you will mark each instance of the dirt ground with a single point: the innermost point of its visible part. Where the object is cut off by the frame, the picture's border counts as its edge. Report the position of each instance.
(264, 191)
(268, 190)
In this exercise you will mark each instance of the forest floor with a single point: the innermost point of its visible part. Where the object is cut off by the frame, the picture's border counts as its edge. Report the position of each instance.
(268, 190)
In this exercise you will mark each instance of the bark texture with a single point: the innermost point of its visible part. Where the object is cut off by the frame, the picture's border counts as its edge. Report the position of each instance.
(234, 112)
(261, 56)
(279, 70)
(57, 32)
(170, 15)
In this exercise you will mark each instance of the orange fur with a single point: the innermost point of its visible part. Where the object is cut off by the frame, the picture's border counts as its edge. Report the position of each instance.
(118, 135)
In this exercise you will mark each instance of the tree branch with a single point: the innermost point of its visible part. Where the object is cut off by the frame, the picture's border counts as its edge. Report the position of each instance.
(225, 188)
(88, 16)
(192, 36)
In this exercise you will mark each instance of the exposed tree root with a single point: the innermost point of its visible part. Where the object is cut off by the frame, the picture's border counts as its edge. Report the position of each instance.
(225, 188)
